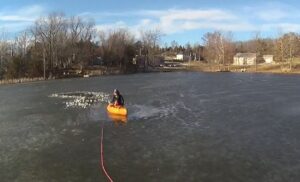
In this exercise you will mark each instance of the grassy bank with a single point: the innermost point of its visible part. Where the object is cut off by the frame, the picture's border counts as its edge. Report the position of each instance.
(261, 68)
(91, 72)
(20, 80)
(193, 66)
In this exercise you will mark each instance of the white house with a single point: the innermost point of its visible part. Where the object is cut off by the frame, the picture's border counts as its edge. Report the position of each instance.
(268, 59)
(179, 57)
(182, 57)
(244, 59)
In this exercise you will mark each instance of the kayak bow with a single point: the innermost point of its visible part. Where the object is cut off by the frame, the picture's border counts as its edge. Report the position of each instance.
(118, 110)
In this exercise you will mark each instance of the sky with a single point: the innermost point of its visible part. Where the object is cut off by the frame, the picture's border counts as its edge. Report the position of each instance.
(180, 20)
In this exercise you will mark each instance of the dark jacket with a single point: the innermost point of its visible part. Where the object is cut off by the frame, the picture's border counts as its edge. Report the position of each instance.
(119, 99)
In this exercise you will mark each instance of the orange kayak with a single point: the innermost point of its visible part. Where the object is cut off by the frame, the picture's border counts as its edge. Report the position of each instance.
(118, 110)
(117, 118)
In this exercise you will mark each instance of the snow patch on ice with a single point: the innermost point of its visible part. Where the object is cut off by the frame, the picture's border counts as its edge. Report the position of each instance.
(81, 99)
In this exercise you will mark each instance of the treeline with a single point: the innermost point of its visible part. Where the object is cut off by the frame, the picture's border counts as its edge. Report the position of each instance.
(51, 44)
(56, 43)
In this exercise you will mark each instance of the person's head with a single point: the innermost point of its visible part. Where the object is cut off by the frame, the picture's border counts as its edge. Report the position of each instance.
(116, 92)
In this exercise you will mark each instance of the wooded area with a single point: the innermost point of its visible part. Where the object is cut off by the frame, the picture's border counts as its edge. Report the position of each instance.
(57, 43)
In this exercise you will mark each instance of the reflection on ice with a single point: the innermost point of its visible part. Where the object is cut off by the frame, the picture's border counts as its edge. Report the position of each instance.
(117, 118)
(82, 99)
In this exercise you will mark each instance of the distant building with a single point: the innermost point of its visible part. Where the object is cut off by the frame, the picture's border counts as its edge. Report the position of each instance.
(182, 57)
(269, 59)
(244, 59)
(169, 56)
(179, 57)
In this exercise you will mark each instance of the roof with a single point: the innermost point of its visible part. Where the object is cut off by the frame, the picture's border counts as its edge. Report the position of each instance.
(249, 55)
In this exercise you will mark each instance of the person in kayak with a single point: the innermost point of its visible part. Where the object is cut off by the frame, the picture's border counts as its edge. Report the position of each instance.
(117, 99)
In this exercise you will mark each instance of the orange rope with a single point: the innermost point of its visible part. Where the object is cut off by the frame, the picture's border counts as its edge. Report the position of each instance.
(102, 158)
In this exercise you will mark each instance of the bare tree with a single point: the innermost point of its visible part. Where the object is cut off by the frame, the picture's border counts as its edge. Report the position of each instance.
(218, 47)
(286, 48)
(151, 40)
(292, 40)
(197, 51)
(257, 43)
(4, 46)
(50, 32)
(22, 42)
(174, 45)
(116, 47)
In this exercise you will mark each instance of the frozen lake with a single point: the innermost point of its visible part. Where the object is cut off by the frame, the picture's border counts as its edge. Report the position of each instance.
(182, 126)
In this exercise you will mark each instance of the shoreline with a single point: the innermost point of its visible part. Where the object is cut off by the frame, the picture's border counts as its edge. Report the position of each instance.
(92, 74)
(261, 69)
(21, 80)
(197, 68)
